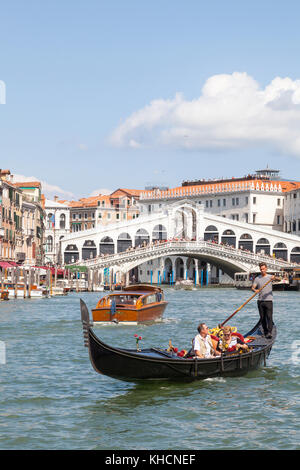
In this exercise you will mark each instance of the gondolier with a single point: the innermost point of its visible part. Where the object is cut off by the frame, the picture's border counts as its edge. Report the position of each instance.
(263, 286)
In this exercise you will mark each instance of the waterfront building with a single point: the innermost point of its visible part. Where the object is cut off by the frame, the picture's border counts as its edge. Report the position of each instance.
(292, 212)
(11, 217)
(57, 227)
(101, 210)
(255, 199)
(32, 227)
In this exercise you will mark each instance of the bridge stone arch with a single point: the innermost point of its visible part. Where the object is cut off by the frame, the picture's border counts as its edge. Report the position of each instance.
(106, 246)
(71, 254)
(159, 233)
(246, 242)
(211, 233)
(185, 215)
(89, 250)
(229, 237)
(123, 242)
(228, 266)
(168, 269)
(280, 251)
(263, 246)
(295, 254)
(141, 237)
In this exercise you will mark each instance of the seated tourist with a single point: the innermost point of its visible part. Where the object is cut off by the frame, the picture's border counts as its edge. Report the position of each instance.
(202, 343)
(230, 343)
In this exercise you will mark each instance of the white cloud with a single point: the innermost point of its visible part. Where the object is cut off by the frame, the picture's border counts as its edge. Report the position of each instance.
(233, 111)
(49, 190)
(102, 191)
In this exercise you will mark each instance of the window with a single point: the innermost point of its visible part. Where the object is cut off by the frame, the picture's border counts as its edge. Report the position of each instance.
(233, 201)
(246, 199)
(224, 202)
(254, 200)
(278, 202)
(278, 220)
(206, 203)
(237, 201)
(254, 218)
(219, 202)
(210, 203)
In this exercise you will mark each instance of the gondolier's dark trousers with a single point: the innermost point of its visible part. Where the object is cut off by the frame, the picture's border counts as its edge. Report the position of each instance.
(265, 308)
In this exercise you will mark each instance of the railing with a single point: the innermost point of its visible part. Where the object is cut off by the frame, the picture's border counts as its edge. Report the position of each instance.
(211, 188)
(185, 247)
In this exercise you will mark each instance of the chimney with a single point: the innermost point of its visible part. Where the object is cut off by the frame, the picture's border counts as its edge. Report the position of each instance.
(55, 198)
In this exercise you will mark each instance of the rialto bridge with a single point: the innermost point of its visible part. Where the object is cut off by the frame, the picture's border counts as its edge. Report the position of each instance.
(182, 239)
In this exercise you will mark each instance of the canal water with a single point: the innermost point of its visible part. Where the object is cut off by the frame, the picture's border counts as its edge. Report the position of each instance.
(51, 397)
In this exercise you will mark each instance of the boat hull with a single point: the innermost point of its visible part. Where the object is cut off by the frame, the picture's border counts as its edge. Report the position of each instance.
(156, 364)
(144, 314)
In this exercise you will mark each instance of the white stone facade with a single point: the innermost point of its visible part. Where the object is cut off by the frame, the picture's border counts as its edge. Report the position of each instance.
(57, 226)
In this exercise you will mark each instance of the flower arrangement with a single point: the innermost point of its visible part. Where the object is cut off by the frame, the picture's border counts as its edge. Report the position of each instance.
(137, 339)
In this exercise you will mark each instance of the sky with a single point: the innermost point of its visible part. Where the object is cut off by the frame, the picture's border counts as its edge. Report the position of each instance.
(97, 95)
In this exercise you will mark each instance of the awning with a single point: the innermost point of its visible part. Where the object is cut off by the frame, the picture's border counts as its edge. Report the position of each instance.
(5, 264)
(81, 269)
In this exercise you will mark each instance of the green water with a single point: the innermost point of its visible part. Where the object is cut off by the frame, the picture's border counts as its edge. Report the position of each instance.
(51, 397)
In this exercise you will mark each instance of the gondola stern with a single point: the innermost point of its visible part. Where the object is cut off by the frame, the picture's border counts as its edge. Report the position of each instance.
(86, 324)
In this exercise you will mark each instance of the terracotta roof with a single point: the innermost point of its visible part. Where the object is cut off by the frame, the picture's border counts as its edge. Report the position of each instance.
(35, 184)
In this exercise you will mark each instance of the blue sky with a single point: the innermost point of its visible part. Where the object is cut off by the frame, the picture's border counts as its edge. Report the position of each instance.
(107, 94)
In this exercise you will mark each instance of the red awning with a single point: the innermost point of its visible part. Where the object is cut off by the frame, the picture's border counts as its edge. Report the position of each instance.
(5, 264)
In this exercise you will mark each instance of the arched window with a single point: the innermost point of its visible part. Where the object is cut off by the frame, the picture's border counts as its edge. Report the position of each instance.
(89, 249)
(62, 221)
(141, 237)
(107, 246)
(263, 246)
(229, 238)
(71, 254)
(280, 251)
(246, 242)
(50, 220)
(159, 233)
(49, 244)
(211, 233)
(295, 255)
(124, 242)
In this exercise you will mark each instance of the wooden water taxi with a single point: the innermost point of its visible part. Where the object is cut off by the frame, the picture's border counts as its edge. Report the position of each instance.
(134, 304)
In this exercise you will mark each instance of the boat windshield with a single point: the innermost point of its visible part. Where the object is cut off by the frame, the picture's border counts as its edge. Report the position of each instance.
(124, 299)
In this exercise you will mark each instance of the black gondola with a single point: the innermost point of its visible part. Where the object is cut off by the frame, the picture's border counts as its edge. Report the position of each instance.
(158, 364)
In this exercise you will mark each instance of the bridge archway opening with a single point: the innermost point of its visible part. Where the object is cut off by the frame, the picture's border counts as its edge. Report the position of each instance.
(229, 238)
(211, 233)
(280, 251)
(71, 254)
(168, 270)
(107, 246)
(89, 250)
(246, 242)
(185, 223)
(295, 255)
(124, 242)
(141, 238)
(263, 246)
(190, 269)
(179, 268)
(159, 233)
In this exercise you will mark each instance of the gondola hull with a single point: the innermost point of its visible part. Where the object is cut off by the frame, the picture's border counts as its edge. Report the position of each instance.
(156, 364)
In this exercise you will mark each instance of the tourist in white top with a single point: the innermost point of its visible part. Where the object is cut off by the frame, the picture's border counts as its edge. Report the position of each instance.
(202, 344)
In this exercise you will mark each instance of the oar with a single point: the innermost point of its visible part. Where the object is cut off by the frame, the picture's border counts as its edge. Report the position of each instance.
(243, 305)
